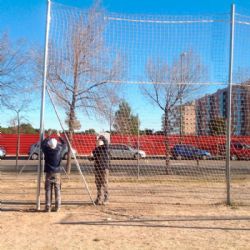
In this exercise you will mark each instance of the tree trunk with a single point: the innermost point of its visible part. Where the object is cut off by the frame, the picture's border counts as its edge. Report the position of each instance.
(18, 141)
(166, 139)
(72, 118)
(68, 165)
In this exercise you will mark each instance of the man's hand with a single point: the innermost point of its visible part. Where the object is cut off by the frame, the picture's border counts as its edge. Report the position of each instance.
(58, 134)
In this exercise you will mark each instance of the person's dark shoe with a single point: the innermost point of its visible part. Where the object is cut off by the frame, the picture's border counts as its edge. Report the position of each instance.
(47, 209)
(106, 200)
(57, 209)
(97, 201)
(105, 203)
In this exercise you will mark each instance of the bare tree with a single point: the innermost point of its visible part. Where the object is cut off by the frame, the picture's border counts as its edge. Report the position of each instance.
(14, 76)
(171, 85)
(13, 59)
(17, 104)
(80, 69)
(242, 75)
(108, 108)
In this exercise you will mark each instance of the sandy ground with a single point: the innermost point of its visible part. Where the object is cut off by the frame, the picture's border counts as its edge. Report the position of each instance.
(86, 228)
(164, 217)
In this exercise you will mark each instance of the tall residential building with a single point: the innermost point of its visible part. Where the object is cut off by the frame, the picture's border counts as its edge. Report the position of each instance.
(182, 120)
(215, 106)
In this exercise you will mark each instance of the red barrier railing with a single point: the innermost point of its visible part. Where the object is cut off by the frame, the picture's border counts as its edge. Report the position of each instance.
(151, 144)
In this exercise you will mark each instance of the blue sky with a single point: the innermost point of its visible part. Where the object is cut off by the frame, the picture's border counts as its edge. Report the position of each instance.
(26, 19)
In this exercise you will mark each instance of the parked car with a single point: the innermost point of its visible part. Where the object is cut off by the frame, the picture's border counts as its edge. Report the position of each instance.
(2, 152)
(123, 151)
(34, 151)
(238, 151)
(183, 151)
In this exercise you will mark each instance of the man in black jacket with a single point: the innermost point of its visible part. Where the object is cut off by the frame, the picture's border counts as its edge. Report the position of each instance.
(101, 164)
(53, 155)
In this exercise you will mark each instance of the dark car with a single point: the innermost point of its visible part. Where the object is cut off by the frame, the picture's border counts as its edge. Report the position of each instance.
(238, 151)
(183, 151)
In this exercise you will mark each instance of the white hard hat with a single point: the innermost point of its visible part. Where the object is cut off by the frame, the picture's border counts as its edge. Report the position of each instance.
(52, 143)
(99, 142)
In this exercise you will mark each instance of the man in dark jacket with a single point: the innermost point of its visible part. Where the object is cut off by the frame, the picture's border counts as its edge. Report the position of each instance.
(101, 164)
(53, 155)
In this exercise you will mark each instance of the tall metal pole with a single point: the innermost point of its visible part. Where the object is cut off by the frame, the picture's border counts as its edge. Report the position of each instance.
(40, 167)
(229, 110)
(138, 147)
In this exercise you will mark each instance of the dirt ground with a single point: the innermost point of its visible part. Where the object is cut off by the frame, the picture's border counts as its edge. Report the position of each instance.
(163, 216)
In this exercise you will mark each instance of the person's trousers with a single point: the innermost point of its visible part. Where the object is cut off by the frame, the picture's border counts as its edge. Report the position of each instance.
(53, 183)
(101, 181)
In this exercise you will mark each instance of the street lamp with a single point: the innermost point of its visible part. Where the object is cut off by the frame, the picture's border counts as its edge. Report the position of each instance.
(183, 54)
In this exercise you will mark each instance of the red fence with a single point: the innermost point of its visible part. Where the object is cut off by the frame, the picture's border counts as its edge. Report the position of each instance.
(151, 144)
(10, 142)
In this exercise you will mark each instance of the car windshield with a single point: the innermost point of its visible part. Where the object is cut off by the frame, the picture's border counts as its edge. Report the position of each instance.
(188, 147)
(118, 147)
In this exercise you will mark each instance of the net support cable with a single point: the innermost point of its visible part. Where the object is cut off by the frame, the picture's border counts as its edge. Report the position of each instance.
(70, 146)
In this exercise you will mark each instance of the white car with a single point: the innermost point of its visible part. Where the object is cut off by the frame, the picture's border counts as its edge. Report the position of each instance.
(34, 152)
(123, 151)
(2, 152)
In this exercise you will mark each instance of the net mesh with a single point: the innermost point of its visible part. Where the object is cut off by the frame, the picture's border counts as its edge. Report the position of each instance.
(240, 107)
(156, 88)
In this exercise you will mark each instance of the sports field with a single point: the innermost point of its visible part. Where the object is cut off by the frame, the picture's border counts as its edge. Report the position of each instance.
(151, 213)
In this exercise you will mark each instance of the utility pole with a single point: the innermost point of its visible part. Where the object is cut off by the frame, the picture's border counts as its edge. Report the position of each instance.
(180, 86)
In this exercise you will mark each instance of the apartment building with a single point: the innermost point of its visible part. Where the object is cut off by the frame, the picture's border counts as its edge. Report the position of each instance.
(182, 120)
(215, 106)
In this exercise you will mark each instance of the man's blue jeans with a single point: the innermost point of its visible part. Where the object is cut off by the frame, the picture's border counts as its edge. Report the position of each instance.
(53, 183)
